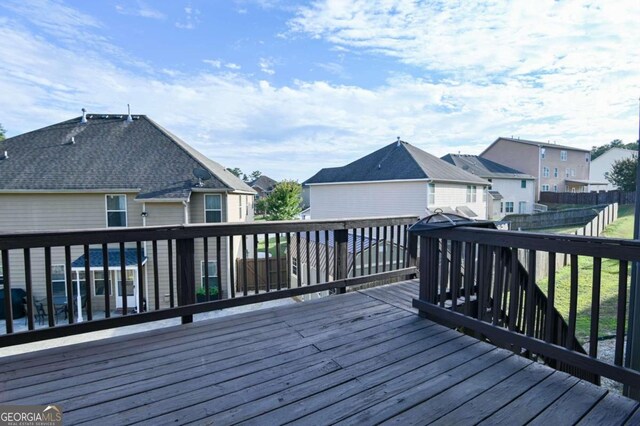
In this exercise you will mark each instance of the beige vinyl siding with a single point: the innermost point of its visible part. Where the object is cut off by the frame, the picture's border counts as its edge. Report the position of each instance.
(368, 199)
(45, 212)
(454, 195)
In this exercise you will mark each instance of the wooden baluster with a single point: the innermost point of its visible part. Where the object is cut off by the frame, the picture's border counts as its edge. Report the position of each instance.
(87, 282)
(6, 279)
(573, 303)
(595, 307)
(245, 278)
(123, 280)
(219, 266)
(622, 306)
(205, 242)
(278, 272)
(530, 298)
(170, 263)
(444, 275)
(29, 288)
(255, 264)
(156, 279)
(141, 282)
(106, 276)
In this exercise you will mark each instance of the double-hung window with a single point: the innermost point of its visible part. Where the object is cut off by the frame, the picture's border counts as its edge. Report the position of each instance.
(555, 172)
(563, 155)
(545, 187)
(212, 208)
(431, 194)
(523, 183)
(213, 274)
(545, 171)
(508, 207)
(116, 210)
(471, 193)
(58, 281)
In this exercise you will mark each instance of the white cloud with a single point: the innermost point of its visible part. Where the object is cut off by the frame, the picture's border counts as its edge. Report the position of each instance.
(140, 9)
(266, 66)
(190, 20)
(295, 129)
(232, 66)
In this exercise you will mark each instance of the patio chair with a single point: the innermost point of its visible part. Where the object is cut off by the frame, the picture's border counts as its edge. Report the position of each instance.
(39, 313)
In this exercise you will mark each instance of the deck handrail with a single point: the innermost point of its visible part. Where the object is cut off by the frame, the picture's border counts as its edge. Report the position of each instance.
(334, 248)
(501, 300)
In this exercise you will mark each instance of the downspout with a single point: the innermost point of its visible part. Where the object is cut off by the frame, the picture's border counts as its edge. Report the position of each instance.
(539, 173)
(146, 269)
(186, 212)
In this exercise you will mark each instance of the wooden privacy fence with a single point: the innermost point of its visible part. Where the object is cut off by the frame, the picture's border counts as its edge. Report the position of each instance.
(592, 229)
(592, 198)
(470, 278)
(265, 271)
(553, 219)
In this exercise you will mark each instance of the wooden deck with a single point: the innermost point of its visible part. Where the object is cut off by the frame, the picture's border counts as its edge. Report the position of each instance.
(360, 358)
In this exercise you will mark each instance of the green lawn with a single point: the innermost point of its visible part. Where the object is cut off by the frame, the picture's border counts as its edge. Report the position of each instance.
(621, 228)
(272, 246)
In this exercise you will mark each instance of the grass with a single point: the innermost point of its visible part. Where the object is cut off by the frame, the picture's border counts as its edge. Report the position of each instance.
(621, 228)
(272, 246)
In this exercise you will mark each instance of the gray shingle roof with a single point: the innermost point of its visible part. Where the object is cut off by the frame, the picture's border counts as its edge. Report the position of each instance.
(109, 153)
(264, 182)
(483, 167)
(396, 161)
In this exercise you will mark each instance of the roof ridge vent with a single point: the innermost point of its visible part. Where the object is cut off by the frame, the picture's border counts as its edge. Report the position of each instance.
(84, 116)
(398, 141)
(129, 118)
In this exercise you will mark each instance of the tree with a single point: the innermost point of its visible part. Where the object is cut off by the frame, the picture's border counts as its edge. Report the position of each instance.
(623, 174)
(254, 175)
(2, 133)
(238, 173)
(284, 201)
(261, 206)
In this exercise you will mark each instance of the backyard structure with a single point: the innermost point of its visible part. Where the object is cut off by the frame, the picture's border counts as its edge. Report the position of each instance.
(114, 171)
(603, 164)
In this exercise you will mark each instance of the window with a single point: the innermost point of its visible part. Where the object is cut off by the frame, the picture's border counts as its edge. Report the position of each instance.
(240, 206)
(294, 266)
(213, 274)
(555, 188)
(99, 284)
(573, 172)
(566, 173)
(523, 183)
(471, 193)
(522, 207)
(212, 208)
(58, 282)
(545, 187)
(508, 207)
(130, 277)
(431, 194)
(247, 203)
(542, 153)
(555, 172)
(545, 171)
(501, 207)
(563, 155)
(116, 210)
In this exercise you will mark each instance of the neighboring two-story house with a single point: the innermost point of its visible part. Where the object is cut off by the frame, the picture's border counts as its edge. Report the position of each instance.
(398, 179)
(602, 165)
(511, 191)
(113, 171)
(556, 168)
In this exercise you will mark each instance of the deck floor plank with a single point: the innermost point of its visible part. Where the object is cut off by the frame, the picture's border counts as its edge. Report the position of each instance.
(360, 358)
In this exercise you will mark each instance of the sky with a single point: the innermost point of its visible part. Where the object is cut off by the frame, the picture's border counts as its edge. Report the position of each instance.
(288, 87)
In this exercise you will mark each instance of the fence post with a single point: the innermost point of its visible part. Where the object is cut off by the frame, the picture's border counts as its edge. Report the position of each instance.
(341, 237)
(185, 271)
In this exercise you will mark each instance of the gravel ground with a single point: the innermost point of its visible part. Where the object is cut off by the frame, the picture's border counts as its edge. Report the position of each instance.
(606, 352)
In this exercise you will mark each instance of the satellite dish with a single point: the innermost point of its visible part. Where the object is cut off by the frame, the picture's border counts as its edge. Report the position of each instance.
(202, 175)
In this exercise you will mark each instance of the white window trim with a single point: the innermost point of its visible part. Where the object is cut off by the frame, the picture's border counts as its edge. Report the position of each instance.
(108, 281)
(64, 274)
(563, 155)
(205, 209)
(431, 194)
(126, 210)
(472, 194)
(202, 275)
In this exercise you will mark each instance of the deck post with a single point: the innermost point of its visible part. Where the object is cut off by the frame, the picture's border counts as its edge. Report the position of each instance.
(185, 269)
(412, 246)
(341, 238)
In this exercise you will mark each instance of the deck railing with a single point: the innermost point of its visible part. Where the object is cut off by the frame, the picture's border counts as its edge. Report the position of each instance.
(472, 278)
(344, 252)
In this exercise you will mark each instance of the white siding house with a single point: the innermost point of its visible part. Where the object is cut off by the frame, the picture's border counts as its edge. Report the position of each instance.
(511, 191)
(398, 179)
(603, 164)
